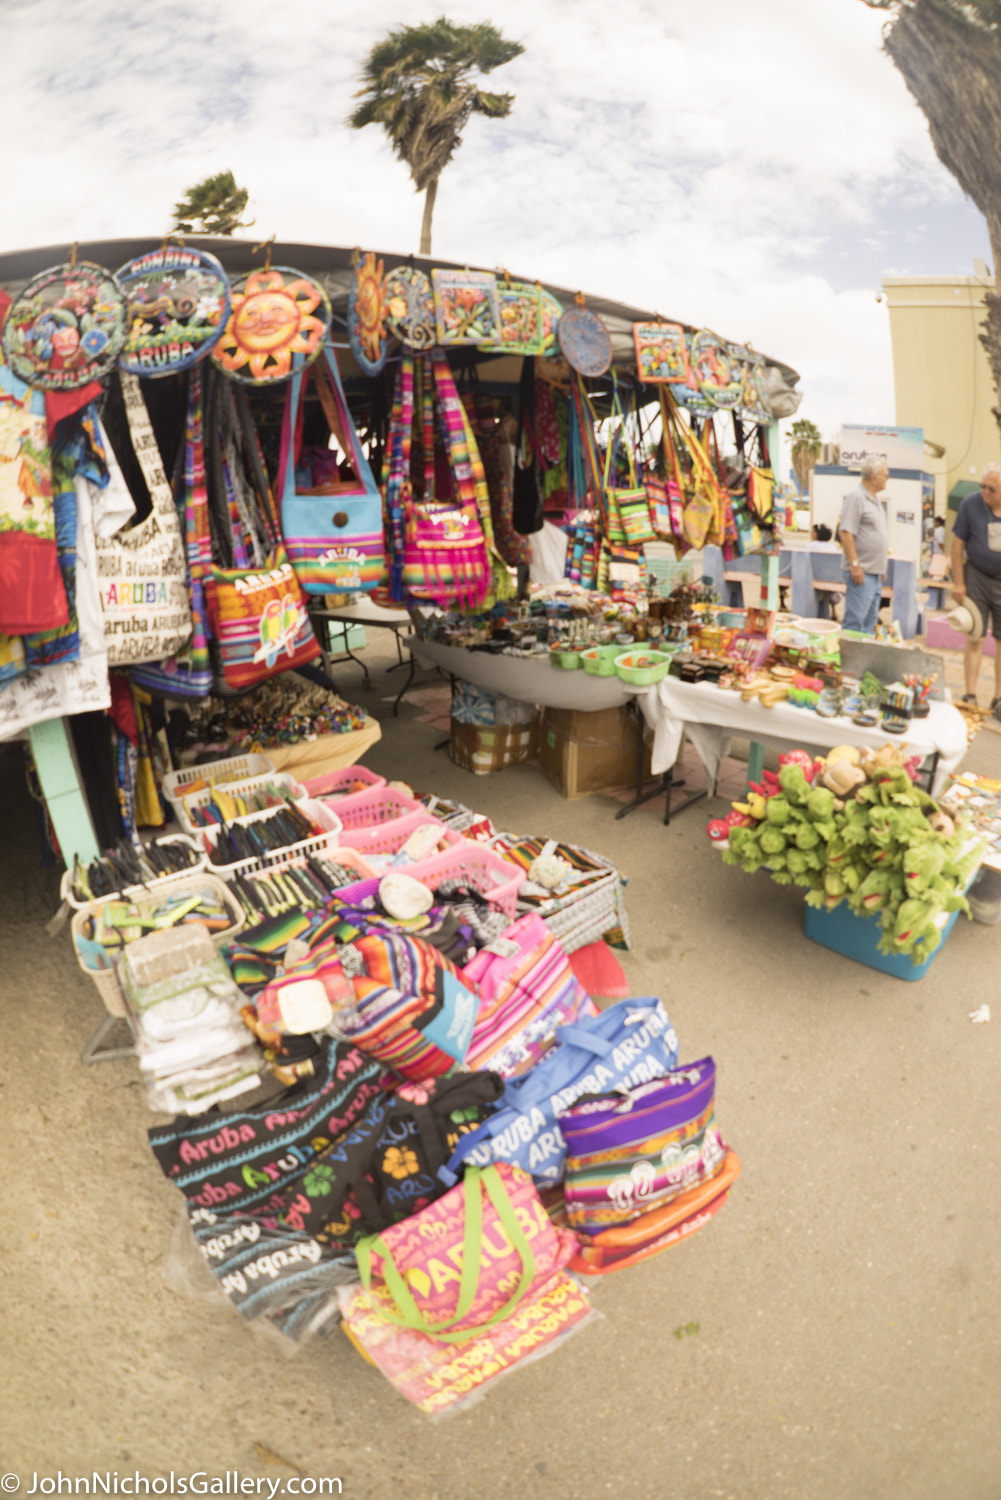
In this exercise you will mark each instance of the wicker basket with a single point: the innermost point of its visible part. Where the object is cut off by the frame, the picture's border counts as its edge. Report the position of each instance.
(107, 980)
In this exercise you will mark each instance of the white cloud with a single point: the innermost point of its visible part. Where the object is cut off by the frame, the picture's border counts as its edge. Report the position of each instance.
(727, 164)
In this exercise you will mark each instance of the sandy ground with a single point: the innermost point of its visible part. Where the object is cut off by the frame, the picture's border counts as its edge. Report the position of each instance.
(835, 1332)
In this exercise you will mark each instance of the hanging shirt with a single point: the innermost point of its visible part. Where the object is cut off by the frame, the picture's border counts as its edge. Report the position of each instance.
(32, 595)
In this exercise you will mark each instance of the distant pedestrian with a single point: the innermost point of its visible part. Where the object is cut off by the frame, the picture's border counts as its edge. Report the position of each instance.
(976, 574)
(938, 536)
(862, 531)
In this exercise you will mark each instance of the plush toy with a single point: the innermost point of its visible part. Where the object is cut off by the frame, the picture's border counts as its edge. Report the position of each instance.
(842, 777)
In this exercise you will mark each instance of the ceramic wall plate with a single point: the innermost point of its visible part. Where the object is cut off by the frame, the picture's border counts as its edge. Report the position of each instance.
(466, 308)
(277, 326)
(552, 312)
(714, 370)
(521, 319)
(661, 353)
(66, 328)
(585, 341)
(178, 308)
(410, 307)
(367, 315)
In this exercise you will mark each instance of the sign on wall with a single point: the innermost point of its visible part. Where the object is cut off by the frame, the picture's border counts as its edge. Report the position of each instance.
(901, 447)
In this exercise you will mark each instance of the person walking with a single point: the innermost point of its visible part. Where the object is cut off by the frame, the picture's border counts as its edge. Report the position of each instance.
(976, 574)
(862, 531)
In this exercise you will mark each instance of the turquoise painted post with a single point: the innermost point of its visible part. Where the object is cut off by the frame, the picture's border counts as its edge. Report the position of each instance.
(59, 778)
(770, 582)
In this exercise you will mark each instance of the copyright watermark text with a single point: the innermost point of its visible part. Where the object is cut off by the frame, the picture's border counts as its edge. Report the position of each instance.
(199, 1483)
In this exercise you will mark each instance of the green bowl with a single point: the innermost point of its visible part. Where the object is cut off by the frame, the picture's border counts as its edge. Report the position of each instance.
(598, 661)
(657, 666)
(568, 660)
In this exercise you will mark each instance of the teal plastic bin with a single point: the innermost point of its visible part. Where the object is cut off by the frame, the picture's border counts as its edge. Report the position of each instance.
(858, 938)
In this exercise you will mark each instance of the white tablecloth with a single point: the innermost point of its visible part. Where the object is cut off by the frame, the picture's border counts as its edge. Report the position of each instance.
(711, 716)
(519, 677)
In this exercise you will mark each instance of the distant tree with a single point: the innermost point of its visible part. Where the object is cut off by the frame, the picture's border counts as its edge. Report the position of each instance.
(949, 53)
(417, 83)
(213, 206)
(805, 451)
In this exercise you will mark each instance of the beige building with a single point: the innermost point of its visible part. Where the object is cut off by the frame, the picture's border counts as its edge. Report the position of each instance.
(941, 376)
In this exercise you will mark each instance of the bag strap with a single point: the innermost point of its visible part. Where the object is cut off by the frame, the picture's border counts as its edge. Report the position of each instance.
(407, 1314)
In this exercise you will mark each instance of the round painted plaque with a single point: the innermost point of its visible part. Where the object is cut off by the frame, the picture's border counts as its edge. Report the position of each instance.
(367, 315)
(277, 326)
(409, 304)
(66, 328)
(178, 308)
(585, 341)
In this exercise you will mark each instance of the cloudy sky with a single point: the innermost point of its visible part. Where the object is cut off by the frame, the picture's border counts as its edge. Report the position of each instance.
(754, 166)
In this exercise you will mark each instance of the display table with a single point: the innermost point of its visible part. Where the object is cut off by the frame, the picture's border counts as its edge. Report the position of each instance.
(308, 759)
(364, 612)
(710, 716)
(521, 678)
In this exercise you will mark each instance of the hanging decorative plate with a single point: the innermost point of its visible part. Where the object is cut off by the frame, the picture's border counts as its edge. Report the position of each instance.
(661, 353)
(410, 307)
(66, 328)
(466, 309)
(585, 341)
(367, 315)
(713, 369)
(178, 308)
(552, 312)
(279, 321)
(520, 319)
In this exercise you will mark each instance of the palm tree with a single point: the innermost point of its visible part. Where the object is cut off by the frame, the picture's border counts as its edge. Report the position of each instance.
(212, 206)
(417, 83)
(805, 451)
(949, 53)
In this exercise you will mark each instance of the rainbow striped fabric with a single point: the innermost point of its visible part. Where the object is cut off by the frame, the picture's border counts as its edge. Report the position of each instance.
(628, 1154)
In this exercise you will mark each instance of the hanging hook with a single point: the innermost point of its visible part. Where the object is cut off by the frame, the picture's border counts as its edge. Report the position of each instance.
(579, 299)
(265, 245)
(73, 255)
(173, 235)
(355, 257)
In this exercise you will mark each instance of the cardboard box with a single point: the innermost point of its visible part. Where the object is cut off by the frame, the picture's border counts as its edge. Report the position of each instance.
(583, 753)
(483, 749)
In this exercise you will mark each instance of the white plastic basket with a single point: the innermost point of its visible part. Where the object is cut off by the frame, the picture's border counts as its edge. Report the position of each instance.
(317, 812)
(183, 805)
(132, 891)
(233, 768)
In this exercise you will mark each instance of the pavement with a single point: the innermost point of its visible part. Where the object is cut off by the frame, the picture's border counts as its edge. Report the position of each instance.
(834, 1332)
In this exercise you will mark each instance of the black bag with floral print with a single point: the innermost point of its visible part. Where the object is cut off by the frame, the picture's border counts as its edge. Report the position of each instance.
(385, 1167)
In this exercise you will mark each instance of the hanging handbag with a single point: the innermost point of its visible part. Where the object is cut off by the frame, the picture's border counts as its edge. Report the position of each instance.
(445, 551)
(142, 570)
(333, 530)
(188, 673)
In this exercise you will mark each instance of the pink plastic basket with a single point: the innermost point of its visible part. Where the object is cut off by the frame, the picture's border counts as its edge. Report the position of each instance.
(334, 782)
(368, 809)
(389, 838)
(470, 864)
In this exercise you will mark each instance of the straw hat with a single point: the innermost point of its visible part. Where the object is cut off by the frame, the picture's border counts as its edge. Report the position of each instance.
(967, 619)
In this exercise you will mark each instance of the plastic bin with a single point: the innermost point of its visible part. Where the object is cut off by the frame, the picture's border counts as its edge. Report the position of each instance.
(107, 980)
(184, 805)
(335, 781)
(130, 892)
(389, 838)
(381, 804)
(317, 812)
(233, 768)
(472, 864)
(858, 937)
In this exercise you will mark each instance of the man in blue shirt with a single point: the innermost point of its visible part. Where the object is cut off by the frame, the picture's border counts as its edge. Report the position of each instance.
(976, 573)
